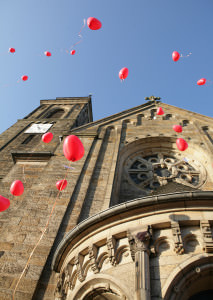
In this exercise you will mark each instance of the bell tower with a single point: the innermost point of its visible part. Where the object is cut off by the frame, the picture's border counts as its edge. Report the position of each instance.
(25, 157)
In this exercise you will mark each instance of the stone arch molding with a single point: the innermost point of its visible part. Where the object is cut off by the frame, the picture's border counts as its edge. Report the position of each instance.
(190, 277)
(105, 285)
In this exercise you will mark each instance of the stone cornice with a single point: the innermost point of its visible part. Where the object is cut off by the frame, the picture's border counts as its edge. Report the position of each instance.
(184, 200)
(67, 100)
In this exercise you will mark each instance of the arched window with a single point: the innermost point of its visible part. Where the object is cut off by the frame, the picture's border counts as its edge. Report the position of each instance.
(185, 123)
(56, 113)
(139, 119)
(152, 113)
(146, 168)
(167, 117)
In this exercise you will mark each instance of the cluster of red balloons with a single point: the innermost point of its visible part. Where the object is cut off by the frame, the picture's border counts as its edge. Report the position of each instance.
(13, 50)
(176, 56)
(92, 23)
(182, 145)
(73, 150)
(16, 189)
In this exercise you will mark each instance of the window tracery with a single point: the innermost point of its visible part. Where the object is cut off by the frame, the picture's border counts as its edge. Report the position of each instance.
(158, 169)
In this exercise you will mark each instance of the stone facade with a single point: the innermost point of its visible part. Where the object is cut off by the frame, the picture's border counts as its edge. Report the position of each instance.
(135, 221)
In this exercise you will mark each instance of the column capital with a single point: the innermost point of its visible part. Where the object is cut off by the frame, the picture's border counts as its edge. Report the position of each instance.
(139, 241)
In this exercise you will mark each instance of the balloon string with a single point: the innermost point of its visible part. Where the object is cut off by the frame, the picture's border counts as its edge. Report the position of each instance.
(190, 53)
(76, 44)
(67, 167)
(209, 82)
(79, 34)
(24, 175)
(39, 240)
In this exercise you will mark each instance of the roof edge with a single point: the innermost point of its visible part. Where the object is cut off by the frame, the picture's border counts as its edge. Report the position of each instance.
(67, 100)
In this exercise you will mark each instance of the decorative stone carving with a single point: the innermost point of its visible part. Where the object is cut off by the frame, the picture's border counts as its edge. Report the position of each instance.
(59, 290)
(92, 256)
(91, 259)
(207, 236)
(63, 285)
(151, 172)
(140, 241)
(79, 262)
(111, 244)
(66, 281)
(177, 238)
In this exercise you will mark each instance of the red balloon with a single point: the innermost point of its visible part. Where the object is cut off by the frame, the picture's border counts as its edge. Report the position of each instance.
(181, 144)
(73, 148)
(47, 137)
(72, 52)
(12, 50)
(61, 184)
(177, 128)
(93, 23)
(160, 111)
(175, 56)
(47, 53)
(4, 203)
(202, 81)
(24, 77)
(123, 73)
(17, 188)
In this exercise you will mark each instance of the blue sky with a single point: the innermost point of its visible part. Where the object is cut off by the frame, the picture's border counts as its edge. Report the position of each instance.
(139, 34)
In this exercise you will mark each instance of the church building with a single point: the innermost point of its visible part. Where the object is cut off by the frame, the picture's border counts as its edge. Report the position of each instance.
(135, 221)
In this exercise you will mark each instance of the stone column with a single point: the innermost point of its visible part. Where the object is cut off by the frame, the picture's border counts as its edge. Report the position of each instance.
(139, 247)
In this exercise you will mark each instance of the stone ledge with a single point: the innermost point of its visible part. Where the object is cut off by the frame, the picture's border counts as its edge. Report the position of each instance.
(31, 156)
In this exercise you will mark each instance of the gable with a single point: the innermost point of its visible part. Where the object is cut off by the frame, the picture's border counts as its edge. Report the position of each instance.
(145, 114)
